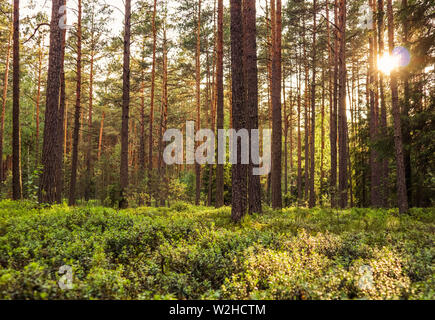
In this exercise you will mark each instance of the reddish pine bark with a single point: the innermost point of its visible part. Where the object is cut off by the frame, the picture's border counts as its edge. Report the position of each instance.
(220, 102)
(60, 124)
(383, 116)
(343, 130)
(374, 122)
(89, 159)
(407, 104)
(142, 118)
(251, 80)
(299, 180)
(125, 106)
(38, 103)
(312, 202)
(240, 171)
(77, 113)
(153, 88)
(198, 100)
(5, 93)
(277, 112)
(16, 145)
(334, 114)
(398, 142)
(50, 158)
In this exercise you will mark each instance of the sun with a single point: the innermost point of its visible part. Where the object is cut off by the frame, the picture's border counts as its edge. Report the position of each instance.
(388, 63)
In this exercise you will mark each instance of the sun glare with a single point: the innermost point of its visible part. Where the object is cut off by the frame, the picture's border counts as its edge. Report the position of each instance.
(388, 63)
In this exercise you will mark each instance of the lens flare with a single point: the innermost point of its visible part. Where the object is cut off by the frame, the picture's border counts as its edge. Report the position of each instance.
(403, 56)
(388, 63)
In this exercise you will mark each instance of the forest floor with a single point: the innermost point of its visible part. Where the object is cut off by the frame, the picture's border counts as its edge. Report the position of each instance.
(187, 252)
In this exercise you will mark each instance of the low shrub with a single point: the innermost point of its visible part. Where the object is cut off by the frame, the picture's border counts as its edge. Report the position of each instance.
(187, 252)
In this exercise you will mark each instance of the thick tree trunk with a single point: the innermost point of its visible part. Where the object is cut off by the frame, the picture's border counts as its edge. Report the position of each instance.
(77, 113)
(50, 158)
(277, 112)
(125, 106)
(400, 163)
(220, 102)
(61, 128)
(240, 171)
(251, 81)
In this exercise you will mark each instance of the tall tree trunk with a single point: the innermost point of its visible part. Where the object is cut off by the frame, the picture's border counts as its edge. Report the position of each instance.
(277, 112)
(322, 151)
(65, 132)
(343, 135)
(77, 113)
(142, 118)
(306, 118)
(61, 128)
(299, 180)
(5, 95)
(240, 171)
(16, 143)
(212, 88)
(164, 115)
(333, 143)
(89, 169)
(50, 158)
(198, 100)
(407, 140)
(38, 102)
(312, 202)
(125, 105)
(383, 119)
(153, 87)
(400, 163)
(220, 102)
(271, 27)
(290, 128)
(334, 114)
(374, 121)
(285, 132)
(251, 81)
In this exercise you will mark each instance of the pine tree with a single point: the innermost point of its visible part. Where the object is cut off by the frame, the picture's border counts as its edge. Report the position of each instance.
(240, 171)
(50, 158)
(251, 80)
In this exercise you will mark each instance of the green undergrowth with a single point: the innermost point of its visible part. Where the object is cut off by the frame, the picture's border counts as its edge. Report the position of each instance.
(187, 252)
